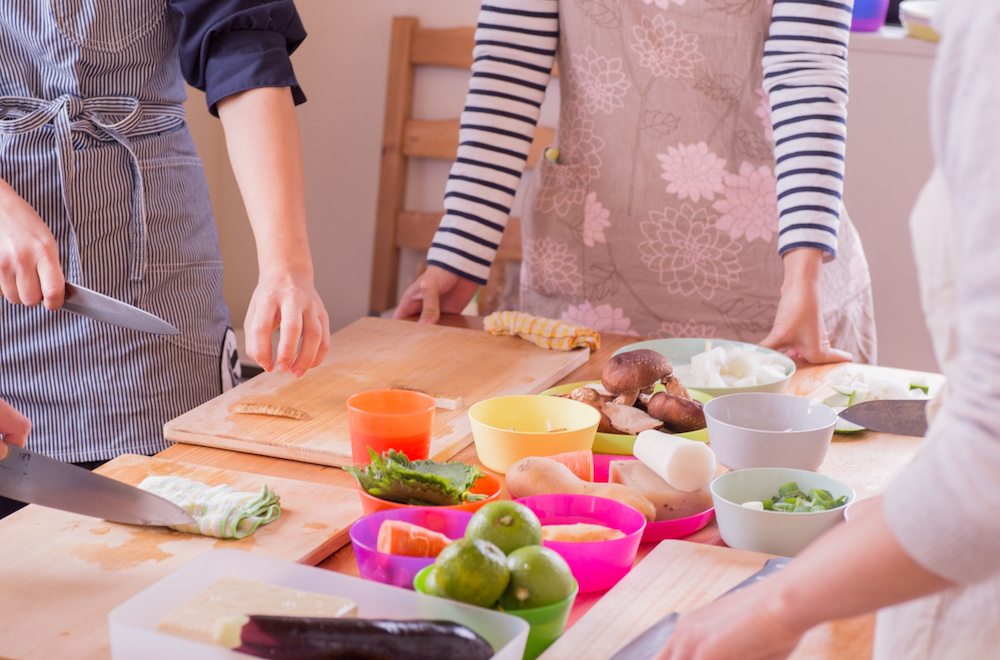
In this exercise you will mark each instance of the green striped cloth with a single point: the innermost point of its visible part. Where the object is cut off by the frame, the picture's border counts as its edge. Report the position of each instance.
(220, 511)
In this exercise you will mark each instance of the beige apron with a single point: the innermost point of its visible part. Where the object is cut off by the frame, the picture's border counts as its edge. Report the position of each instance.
(660, 216)
(962, 623)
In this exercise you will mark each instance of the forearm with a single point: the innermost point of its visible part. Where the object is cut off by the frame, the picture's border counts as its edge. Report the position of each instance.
(262, 135)
(854, 569)
(802, 266)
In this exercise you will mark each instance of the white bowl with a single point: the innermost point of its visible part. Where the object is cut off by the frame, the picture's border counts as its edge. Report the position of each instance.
(680, 350)
(756, 429)
(773, 532)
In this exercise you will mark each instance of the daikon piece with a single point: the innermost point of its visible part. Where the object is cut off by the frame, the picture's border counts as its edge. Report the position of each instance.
(687, 465)
(757, 505)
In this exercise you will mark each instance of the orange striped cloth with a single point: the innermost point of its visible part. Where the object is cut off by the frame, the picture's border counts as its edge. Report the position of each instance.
(547, 333)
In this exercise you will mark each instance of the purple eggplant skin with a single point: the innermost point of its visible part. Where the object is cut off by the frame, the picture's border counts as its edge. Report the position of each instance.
(313, 638)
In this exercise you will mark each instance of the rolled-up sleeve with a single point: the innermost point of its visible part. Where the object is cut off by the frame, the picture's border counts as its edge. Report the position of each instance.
(230, 46)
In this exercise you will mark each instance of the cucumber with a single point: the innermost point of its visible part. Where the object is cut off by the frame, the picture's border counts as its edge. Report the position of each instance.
(302, 638)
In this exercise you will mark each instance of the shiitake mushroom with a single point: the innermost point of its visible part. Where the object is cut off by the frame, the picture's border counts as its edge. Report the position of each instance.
(679, 415)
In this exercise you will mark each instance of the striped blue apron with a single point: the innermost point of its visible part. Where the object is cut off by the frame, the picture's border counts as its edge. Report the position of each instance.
(92, 135)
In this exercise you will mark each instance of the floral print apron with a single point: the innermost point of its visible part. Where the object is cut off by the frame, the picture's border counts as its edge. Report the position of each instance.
(659, 217)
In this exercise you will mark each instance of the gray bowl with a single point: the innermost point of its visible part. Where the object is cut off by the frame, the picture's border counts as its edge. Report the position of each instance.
(757, 429)
(773, 532)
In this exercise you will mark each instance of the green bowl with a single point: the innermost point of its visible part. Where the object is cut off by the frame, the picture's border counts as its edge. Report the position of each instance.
(620, 444)
(547, 623)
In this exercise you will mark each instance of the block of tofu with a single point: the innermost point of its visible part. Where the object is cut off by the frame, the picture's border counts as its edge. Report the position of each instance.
(232, 596)
(670, 503)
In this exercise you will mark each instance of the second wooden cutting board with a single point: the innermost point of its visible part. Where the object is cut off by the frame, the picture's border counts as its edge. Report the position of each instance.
(373, 354)
(678, 576)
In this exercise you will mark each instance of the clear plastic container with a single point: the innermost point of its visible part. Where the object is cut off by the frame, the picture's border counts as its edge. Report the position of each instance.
(133, 623)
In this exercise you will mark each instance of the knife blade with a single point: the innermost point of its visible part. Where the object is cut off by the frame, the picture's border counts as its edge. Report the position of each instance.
(897, 416)
(85, 302)
(653, 638)
(27, 476)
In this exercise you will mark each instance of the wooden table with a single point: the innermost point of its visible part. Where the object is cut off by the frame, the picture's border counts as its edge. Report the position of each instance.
(850, 460)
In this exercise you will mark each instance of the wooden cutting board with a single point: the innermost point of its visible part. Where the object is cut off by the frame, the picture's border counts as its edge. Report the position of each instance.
(369, 354)
(678, 576)
(61, 573)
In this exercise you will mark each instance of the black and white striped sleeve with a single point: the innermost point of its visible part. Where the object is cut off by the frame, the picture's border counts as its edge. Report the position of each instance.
(515, 50)
(805, 74)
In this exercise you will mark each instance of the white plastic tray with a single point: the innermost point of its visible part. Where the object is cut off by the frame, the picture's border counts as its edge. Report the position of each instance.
(133, 623)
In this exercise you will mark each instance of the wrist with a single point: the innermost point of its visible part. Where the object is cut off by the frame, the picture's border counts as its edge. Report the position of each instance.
(788, 611)
(802, 266)
(293, 270)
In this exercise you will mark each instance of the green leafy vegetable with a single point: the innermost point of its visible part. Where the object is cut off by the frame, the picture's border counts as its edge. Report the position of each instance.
(396, 478)
(791, 499)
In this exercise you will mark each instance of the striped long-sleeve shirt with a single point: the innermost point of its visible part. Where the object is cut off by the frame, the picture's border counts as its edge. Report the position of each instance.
(805, 74)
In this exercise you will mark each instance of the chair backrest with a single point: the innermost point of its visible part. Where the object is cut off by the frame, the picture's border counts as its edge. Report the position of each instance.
(404, 137)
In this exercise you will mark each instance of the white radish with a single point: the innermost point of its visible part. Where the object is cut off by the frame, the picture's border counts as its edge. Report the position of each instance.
(687, 465)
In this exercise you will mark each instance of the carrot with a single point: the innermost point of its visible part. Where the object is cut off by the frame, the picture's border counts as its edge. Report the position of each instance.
(580, 463)
(396, 537)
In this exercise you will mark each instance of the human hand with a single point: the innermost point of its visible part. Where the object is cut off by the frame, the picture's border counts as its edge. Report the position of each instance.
(14, 428)
(290, 302)
(742, 625)
(798, 325)
(29, 256)
(435, 291)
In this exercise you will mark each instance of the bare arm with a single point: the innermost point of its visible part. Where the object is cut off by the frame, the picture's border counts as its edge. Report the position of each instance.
(852, 569)
(262, 134)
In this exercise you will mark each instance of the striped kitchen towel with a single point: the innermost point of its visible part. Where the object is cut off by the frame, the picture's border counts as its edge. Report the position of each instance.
(220, 511)
(547, 333)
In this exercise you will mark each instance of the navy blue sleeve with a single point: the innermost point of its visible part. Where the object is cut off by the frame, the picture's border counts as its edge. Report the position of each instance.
(230, 46)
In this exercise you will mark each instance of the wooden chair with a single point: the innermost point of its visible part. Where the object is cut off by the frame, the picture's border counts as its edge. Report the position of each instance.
(404, 137)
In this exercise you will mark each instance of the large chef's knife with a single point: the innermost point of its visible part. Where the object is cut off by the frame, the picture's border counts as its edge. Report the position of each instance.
(897, 416)
(653, 638)
(30, 477)
(83, 301)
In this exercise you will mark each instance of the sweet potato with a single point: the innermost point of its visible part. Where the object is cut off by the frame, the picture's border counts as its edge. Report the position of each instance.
(581, 463)
(543, 476)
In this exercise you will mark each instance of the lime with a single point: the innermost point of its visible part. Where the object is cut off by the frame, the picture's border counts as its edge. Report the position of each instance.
(538, 577)
(430, 583)
(506, 524)
(472, 571)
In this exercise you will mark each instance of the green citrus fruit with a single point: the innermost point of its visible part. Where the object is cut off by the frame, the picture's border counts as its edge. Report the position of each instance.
(506, 524)
(538, 577)
(472, 571)
(430, 583)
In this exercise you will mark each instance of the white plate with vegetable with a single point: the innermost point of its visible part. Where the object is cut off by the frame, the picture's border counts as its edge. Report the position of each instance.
(720, 366)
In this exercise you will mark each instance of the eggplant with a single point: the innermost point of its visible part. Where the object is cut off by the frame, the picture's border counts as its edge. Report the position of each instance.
(317, 638)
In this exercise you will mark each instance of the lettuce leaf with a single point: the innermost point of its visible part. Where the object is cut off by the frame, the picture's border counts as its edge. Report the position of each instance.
(396, 478)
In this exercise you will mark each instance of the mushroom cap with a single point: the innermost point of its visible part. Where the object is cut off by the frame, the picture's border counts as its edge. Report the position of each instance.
(632, 371)
(679, 415)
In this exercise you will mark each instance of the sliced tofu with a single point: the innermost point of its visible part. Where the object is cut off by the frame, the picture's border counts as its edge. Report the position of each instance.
(670, 503)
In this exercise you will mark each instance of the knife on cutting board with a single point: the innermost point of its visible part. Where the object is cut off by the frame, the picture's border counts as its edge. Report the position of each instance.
(27, 476)
(653, 638)
(85, 302)
(896, 416)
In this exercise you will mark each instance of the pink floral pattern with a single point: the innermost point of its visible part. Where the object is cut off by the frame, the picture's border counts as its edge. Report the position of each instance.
(689, 328)
(550, 268)
(750, 209)
(668, 51)
(664, 4)
(603, 318)
(687, 251)
(599, 82)
(693, 171)
(565, 184)
(595, 220)
(764, 112)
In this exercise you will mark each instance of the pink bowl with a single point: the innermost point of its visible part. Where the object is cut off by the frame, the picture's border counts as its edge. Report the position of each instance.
(399, 570)
(598, 565)
(655, 531)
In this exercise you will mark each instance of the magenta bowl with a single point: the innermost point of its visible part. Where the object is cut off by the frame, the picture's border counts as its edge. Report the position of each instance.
(399, 570)
(598, 565)
(655, 531)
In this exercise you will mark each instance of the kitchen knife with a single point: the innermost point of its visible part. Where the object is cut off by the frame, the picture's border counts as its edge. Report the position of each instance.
(897, 416)
(30, 477)
(97, 306)
(653, 638)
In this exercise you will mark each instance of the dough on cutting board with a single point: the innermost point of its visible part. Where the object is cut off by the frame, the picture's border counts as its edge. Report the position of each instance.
(232, 596)
(670, 503)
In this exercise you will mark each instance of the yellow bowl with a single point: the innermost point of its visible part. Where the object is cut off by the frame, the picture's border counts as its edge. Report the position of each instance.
(509, 428)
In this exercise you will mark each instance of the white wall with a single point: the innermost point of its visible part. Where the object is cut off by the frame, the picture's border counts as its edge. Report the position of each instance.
(342, 68)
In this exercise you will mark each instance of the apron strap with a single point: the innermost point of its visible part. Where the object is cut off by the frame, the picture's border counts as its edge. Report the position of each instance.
(69, 113)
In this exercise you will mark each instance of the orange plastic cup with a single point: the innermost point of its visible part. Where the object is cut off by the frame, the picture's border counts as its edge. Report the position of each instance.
(390, 419)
